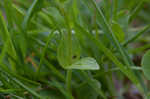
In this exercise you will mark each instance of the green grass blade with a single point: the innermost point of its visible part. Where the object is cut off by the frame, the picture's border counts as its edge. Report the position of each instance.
(20, 83)
(9, 90)
(115, 9)
(134, 13)
(9, 12)
(43, 53)
(29, 14)
(146, 28)
(6, 36)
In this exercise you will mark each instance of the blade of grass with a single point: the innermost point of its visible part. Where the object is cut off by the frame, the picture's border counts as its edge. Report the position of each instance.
(8, 73)
(29, 14)
(134, 13)
(20, 77)
(115, 9)
(9, 90)
(27, 88)
(107, 10)
(25, 22)
(9, 12)
(146, 28)
(18, 97)
(41, 14)
(4, 51)
(19, 82)
(139, 49)
(6, 36)
(43, 53)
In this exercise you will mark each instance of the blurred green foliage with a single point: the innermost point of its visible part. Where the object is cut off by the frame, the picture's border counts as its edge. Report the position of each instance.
(53, 49)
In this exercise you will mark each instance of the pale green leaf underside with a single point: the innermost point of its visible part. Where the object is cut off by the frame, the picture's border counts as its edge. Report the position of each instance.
(146, 64)
(87, 63)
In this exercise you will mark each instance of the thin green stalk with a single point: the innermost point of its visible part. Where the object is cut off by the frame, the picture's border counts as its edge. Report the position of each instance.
(7, 37)
(9, 12)
(68, 26)
(134, 13)
(4, 51)
(140, 49)
(68, 80)
(29, 14)
(27, 88)
(115, 8)
(146, 28)
(43, 54)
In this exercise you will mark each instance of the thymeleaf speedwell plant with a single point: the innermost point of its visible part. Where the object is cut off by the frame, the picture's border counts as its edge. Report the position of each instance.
(74, 49)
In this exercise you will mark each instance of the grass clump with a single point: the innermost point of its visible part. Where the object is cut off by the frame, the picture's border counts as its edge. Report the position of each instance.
(74, 49)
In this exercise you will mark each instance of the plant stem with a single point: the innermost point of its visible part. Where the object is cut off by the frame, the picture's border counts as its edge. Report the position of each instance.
(115, 8)
(146, 28)
(69, 72)
(68, 80)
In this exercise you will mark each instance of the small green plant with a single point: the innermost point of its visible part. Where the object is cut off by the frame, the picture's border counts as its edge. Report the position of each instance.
(74, 49)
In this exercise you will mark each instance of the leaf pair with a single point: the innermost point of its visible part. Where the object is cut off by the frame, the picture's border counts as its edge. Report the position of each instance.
(63, 56)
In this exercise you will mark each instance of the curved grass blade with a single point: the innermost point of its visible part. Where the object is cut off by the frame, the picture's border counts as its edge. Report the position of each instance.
(19, 82)
(43, 53)
(9, 12)
(36, 6)
(6, 36)
(140, 49)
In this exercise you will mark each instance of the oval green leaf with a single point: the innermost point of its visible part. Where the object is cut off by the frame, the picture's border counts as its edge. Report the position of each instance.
(146, 64)
(87, 63)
